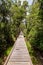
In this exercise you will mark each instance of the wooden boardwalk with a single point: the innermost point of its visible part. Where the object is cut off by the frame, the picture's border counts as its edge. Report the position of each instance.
(19, 54)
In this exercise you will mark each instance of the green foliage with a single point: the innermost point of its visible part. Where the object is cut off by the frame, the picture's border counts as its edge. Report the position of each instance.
(32, 54)
(35, 25)
(36, 39)
(1, 61)
(11, 16)
(6, 53)
(5, 26)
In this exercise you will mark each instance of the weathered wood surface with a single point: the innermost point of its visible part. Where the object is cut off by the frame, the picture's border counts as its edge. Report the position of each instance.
(19, 54)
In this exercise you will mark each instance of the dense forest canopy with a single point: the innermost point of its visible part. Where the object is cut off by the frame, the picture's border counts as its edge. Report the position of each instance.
(14, 18)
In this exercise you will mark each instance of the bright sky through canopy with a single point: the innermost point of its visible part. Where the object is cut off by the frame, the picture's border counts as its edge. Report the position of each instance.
(30, 2)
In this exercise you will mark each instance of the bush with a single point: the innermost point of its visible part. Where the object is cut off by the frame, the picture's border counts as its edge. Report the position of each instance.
(1, 61)
(6, 39)
(36, 38)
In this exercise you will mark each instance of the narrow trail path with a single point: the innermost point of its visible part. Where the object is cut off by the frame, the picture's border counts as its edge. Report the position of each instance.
(19, 54)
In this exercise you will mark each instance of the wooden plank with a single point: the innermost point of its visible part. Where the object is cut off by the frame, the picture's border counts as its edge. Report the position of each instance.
(19, 63)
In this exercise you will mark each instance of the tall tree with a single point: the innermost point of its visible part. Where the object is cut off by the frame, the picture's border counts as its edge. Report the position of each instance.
(35, 25)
